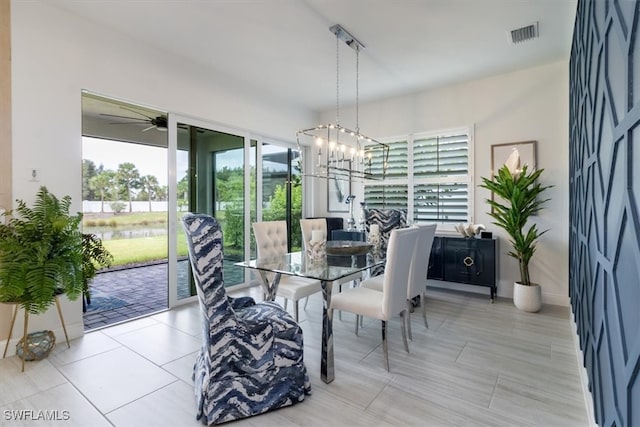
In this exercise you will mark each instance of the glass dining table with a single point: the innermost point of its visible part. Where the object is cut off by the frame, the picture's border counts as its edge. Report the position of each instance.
(327, 270)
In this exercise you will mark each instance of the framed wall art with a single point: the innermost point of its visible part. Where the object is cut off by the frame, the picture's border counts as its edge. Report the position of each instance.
(501, 152)
(338, 189)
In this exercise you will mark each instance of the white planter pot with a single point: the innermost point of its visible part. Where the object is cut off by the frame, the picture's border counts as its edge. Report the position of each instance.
(527, 298)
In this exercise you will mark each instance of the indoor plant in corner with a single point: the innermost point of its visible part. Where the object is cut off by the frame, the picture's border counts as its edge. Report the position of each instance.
(518, 194)
(41, 253)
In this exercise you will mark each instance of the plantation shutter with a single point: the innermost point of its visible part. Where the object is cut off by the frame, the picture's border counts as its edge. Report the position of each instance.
(427, 175)
(440, 171)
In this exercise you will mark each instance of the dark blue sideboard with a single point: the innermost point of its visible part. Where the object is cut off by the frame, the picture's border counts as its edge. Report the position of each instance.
(464, 260)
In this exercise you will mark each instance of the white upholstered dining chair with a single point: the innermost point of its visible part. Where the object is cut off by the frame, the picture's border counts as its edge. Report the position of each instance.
(417, 284)
(271, 241)
(308, 226)
(387, 304)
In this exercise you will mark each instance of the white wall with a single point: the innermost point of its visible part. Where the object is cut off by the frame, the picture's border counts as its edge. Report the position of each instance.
(531, 104)
(56, 54)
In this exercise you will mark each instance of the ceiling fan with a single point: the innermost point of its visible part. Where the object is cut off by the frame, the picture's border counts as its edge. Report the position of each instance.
(159, 122)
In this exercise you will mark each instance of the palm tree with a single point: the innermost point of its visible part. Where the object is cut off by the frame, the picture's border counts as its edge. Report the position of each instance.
(128, 177)
(102, 183)
(150, 185)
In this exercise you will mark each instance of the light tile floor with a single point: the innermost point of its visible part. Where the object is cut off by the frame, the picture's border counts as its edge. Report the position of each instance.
(478, 364)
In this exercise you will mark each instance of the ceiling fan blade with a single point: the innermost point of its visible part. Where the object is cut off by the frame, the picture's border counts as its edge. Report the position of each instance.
(123, 117)
(146, 129)
(137, 112)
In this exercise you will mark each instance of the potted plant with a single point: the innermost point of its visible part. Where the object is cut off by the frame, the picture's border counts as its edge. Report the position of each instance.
(41, 253)
(518, 194)
(94, 256)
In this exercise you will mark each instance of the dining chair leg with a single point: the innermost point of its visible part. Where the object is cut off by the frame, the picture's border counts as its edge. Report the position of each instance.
(403, 319)
(385, 349)
(423, 303)
(296, 310)
(357, 321)
(306, 300)
(407, 319)
(340, 311)
(285, 304)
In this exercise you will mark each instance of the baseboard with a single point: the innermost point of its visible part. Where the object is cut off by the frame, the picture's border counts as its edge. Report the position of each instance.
(441, 284)
(584, 377)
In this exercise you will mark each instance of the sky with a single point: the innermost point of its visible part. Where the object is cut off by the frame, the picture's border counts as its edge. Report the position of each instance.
(149, 160)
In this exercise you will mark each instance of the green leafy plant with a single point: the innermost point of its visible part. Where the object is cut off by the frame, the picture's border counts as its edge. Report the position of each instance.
(41, 253)
(94, 257)
(518, 199)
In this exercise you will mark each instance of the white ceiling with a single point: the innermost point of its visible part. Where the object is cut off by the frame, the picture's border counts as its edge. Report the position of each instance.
(284, 49)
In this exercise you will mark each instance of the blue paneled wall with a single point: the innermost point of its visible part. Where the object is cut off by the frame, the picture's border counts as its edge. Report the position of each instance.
(604, 277)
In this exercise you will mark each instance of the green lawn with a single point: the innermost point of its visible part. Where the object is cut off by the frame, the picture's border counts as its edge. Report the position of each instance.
(143, 249)
(130, 251)
(124, 220)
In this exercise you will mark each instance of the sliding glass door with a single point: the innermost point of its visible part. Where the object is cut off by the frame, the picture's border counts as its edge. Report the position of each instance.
(216, 171)
(282, 190)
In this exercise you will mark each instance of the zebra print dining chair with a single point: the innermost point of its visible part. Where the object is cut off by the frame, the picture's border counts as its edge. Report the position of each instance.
(251, 359)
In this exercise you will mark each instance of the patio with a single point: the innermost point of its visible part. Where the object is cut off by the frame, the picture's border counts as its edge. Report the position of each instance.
(124, 294)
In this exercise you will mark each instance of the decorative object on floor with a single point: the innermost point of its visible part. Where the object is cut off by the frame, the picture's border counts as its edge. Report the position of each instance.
(17, 306)
(469, 230)
(38, 345)
(251, 360)
(518, 192)
(340, 151)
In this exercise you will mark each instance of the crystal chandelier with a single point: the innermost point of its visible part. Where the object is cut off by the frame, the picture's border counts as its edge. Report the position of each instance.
(339, 151)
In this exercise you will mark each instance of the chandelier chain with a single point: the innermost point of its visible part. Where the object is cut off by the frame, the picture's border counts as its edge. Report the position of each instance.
(337, 80)
(357, 89)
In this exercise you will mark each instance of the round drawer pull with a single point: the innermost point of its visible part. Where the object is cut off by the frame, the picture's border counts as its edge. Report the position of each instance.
(468, 261)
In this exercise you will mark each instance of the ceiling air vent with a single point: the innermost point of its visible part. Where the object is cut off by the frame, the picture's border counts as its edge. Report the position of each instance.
(520, 35)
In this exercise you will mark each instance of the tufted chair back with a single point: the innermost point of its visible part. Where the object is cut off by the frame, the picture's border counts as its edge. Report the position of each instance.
(271, 238)
(310, 225)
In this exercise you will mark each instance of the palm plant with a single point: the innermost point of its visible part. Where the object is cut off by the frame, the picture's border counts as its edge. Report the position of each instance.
(94, 256)
(41, 253)
(518, 199)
